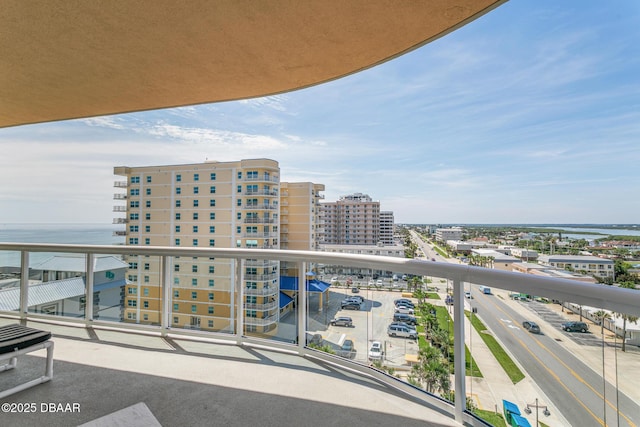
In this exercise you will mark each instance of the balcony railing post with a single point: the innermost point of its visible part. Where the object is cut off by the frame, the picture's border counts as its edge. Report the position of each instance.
(458, 350)
(165, 281)
(239, 315)
(24, 285)
(302, 305)
(88, 306)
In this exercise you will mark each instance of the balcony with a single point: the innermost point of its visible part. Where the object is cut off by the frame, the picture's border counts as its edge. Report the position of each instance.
(259, 207)
(259, 221)
(120, 184)
(262, 178)
(260, 307)
(160, 357)
(270, 193)
(119, 196)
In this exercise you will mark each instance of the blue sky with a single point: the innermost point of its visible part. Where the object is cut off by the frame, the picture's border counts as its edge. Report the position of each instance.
(530, 114)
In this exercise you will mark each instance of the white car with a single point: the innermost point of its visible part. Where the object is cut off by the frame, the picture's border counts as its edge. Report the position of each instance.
(404, 309)
(379, 282)
(375, 351)
(334, 279)
(371, 282)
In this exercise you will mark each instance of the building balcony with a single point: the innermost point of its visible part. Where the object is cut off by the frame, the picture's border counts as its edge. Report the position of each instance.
(261, 235)
(262, 178)
(120, 221)
(259, 263)
(119, 209)
(261, 277)
(594, 378)
(120, 184)
(119, 196)
(260, 221)
(268, 193)
(119, 233)
(261, 307)
(259, 207)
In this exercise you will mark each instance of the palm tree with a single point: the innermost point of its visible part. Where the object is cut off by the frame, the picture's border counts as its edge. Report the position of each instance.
(627, 317)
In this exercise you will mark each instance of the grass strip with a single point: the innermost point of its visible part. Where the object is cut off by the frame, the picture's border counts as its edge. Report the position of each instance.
(512, 370)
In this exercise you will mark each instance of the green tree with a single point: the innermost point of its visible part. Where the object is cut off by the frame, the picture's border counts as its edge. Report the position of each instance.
(627, 317)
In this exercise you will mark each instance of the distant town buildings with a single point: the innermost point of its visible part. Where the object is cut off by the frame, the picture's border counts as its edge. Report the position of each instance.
(444, 234)
(593, 265)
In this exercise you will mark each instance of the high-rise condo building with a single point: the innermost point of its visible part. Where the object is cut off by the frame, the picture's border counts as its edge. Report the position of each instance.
(239, 204)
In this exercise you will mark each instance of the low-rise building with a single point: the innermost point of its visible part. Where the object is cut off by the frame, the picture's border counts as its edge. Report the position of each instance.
(593, 265)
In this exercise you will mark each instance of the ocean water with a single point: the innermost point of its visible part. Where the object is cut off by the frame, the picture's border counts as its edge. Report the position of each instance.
(79, 234)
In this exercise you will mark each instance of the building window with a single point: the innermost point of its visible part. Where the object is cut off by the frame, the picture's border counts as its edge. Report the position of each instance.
(195, 204)
(147, 228)
(239, 189)
(147, 216)
(146, 280)
(133, 216)
(194, 282)
(212, 283)
(135, 180)
(177, 228)
(211, 312)
(176, 267)
(177, 216)
(238, 229)
(239, 215)
(239, 175)
(212, 215)
(239, 202)
(194, 295)
(132, 303)
(148, 191)
(178, 190)
(195, 228)
(176, 280)
(175, 320)
(196, 190)
(178, 203)
(178, 177)
(212, 269)
(145, 304)
(133, 291)
(147, 241)
(210, 296)
(149, 178)
(176, 307)
(212, 202)
(195, 216)
(176, 294)
(148, 203)
(212, 242)
(177, 242)
(133, 240)
(131, 316)
(195, 242)
(134, 204)
(134, 192)
(194, 268)
(196, 177)
(213, 176)
(145, 292)
(133, 229)
(212, 189)
(194, 308)
(145, 317)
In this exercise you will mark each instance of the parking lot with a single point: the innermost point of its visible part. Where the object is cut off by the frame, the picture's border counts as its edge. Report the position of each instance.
(370, 324)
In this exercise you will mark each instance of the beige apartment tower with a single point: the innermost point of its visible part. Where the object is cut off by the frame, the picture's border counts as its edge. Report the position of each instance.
(352, 220)
(212, 204)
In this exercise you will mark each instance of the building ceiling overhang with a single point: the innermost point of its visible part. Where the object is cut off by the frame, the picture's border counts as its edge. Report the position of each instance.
(83, 58)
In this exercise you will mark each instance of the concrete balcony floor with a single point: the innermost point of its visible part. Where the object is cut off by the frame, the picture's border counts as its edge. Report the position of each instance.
(179, 382)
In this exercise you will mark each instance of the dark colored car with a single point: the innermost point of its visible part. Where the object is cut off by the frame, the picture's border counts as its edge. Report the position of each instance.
(347, 349)
(315, 339)
(356, 298)
(342, 321)
(531, 326)
(406, 318)
(350, 305)
(575, 327)
(403, 301)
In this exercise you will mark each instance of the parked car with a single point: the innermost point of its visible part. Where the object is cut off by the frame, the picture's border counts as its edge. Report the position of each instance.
(404, 301)
(575, 327)
(334, 279)
(395, 278)
(404, 317)
(531, 326)
(356, 298)
(403, 331)
(468, 295)
(404, 309)
(350, 305)
(347, 349)
(372, 282)
(404, 277)
(342, 321)
(375, 351)
(355, 290)
(360, 276)
(379, 282)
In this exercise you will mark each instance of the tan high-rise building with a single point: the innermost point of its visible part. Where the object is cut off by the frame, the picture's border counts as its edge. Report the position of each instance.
(352, 220)
(212, 204)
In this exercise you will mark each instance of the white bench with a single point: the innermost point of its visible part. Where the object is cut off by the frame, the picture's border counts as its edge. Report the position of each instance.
(17, 340)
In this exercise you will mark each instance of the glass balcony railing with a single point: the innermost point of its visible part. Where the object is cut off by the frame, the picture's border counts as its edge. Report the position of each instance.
(562, 352)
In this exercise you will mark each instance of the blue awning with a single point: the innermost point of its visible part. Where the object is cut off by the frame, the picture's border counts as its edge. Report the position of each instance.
(520, 421)
(290, 283)
(285, 300)
(511, 407)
